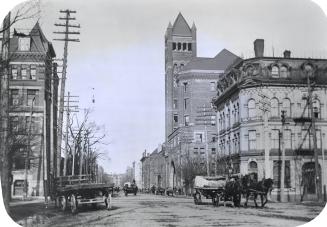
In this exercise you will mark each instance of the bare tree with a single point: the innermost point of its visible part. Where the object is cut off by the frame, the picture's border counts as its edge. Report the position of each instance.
(84, 146)
(24, 11)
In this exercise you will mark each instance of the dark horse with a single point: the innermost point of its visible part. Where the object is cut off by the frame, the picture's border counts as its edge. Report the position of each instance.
(254, 188)
(233, 191)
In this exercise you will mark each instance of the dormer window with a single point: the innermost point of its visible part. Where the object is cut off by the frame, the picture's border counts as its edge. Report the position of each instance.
(275, 72)
(283, 72)
(24, 43)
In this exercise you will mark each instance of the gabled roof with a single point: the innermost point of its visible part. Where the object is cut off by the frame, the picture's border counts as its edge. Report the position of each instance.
(181, 27)
(221, 61)
(39, 40)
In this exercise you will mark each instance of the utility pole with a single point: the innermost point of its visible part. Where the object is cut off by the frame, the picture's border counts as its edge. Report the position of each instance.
(69, 109)
(314, 135)
(264, 106)
(282, 178)
(204, 118)
(66, 39)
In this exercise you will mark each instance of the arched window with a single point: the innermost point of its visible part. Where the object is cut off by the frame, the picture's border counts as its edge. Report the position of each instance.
(184, 46)
(251, 109)
(316, 108)
(274, 107)
(275, 71)
(283, 72)
(287, 107)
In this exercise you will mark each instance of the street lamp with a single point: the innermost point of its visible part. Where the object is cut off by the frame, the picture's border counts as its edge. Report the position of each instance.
(28, 149)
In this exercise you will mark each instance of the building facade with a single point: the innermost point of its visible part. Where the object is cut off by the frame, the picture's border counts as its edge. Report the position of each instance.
(33, 85)
(191, 129)
(251, 134)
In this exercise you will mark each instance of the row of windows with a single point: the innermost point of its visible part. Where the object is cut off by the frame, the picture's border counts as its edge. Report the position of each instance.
(304, 138)
(182, 46)
(230, 145)
(201, 150)
(276, 108)
(230, 116)
(17, 99)
(23, 125)
(24, 72)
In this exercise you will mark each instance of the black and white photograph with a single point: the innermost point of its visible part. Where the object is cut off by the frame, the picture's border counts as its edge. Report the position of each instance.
(151, 113)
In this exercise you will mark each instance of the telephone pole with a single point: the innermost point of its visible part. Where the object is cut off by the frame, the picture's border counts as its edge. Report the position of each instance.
(204, 118)
(67, 32)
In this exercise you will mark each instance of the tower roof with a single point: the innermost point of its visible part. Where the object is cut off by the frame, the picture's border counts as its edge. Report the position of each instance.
(181, 27)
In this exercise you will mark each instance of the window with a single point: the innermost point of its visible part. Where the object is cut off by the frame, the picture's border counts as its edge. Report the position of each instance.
(24, 73)
(33, 73)
(213, 150)
(275, 139)
(277, 167)
(274, 107)
(14, 123)
(252, 140)
(175, 119)
(14, 97)
(175, 104)
(24, 44)
(184, 46)
(14, 73)
(213, 120)
(275, 72)
(189, 46)
(185, 87)
(287, 107)
(31, 96)
(196, 150)
(318, 136)
(198, 137)
(186, 120)
(202, 151)
(179, 46)
(305, 139)
(251, 108)
(186, 103)
(287, 139)
(283, 72)
(174, 46)
(212, 86)
(182, 66)
(316, 108)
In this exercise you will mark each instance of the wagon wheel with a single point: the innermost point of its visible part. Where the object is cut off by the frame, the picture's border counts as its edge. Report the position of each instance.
(197, 198)
(73, 204)
(63, 203)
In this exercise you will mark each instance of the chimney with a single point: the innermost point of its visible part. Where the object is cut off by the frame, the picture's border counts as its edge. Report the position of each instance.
(259, 47)
(287, 54)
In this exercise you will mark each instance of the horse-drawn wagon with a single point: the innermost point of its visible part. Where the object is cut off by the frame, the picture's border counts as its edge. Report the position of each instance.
(77, 190)
(209, 188)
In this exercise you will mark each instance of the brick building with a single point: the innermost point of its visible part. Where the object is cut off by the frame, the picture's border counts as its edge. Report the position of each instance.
(190, 84)
(251, 96)
(33, 94)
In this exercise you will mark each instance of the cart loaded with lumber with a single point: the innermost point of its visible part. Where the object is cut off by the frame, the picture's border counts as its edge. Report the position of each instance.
(72, 191)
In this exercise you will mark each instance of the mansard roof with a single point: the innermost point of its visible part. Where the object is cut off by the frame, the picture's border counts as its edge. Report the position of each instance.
(181, 27)
(39, 43)
(221, 61)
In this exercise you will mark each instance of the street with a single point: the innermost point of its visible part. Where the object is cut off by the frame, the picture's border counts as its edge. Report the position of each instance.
(156, 210)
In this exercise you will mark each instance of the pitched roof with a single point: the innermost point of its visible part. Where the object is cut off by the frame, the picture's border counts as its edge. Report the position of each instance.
(39, 39)
(181, 27)
(220, 62)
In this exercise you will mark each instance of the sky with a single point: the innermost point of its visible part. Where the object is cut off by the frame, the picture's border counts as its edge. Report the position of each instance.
(121, 55)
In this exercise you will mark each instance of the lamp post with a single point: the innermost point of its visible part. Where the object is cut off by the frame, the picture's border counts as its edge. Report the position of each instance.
(28, 149)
